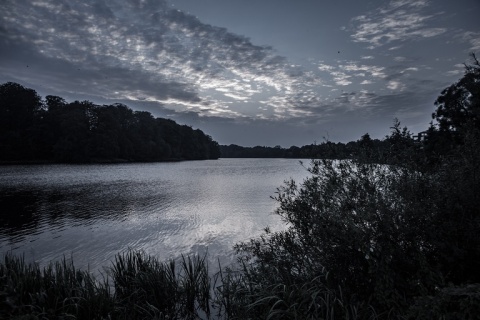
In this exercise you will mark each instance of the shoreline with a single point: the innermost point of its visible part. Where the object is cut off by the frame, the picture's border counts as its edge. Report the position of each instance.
(93, 161)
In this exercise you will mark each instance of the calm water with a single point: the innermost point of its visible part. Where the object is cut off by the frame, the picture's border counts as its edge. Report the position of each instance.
(92, 212)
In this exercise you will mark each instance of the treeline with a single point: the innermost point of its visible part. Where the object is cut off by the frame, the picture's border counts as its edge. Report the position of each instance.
(324, 150)
(33, 129)
(426, 146)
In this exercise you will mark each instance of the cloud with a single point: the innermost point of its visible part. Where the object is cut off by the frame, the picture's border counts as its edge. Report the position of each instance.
(399, 20)
(473, 38)
(460, 69)
(146, 54)
(145, 50)
(351, 72)
(374, 71)
(395, 85)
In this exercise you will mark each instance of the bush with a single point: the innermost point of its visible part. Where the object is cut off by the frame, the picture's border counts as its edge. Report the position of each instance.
(449, 303)
(359, 231)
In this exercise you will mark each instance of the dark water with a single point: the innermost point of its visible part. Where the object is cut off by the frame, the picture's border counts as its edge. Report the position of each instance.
(92, 212)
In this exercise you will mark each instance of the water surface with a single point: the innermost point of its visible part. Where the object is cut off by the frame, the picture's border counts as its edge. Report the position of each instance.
(92, 212)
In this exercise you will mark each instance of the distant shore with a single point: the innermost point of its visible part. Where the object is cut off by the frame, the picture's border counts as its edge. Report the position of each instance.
(93, 161)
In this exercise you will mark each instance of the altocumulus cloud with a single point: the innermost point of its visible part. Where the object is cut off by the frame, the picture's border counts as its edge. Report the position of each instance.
(399, 20)
(147, 51)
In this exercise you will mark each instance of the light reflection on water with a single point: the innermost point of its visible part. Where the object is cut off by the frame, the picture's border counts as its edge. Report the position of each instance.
(92, 212)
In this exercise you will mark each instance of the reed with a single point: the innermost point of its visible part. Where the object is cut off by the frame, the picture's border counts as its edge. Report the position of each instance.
(250, 292)
(147, 288)
(59, 290)
(137, 286)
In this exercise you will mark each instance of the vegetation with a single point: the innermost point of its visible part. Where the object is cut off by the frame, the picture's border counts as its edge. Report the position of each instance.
(384, 235)
(324, 150)
(32, 129)
(141, 288)
(392, 241)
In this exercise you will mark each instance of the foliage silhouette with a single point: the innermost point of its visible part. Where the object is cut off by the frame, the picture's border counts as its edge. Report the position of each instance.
(80, 131)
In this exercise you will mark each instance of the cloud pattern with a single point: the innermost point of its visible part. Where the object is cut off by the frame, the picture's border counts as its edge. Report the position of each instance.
(146, 51)
(399, 20)
(194, 66)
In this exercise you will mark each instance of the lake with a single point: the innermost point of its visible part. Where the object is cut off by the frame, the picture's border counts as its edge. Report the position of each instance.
(92, 212)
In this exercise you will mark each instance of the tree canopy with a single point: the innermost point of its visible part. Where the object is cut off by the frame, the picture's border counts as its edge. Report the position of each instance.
(378, 150)
(32, 129)
(459, 105)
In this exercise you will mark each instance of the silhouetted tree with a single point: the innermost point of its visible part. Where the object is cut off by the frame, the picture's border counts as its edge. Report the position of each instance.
(459, 104)
(19, 108)
(84, 132)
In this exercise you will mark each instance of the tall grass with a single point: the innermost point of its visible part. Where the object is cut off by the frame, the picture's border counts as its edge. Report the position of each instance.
(59, 290)
(147, 288)
(137, 287)
(256, 291)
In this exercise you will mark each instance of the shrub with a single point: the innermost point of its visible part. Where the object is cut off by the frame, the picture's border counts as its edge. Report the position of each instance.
(449, 303)
(357, 231)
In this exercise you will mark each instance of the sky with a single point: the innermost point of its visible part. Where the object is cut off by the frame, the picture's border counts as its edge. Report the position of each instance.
(247, 72)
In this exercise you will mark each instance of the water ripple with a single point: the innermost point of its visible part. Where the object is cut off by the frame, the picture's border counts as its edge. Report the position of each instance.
(93, 212)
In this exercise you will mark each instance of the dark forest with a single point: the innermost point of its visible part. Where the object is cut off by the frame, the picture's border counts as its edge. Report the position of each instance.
(53, 130)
